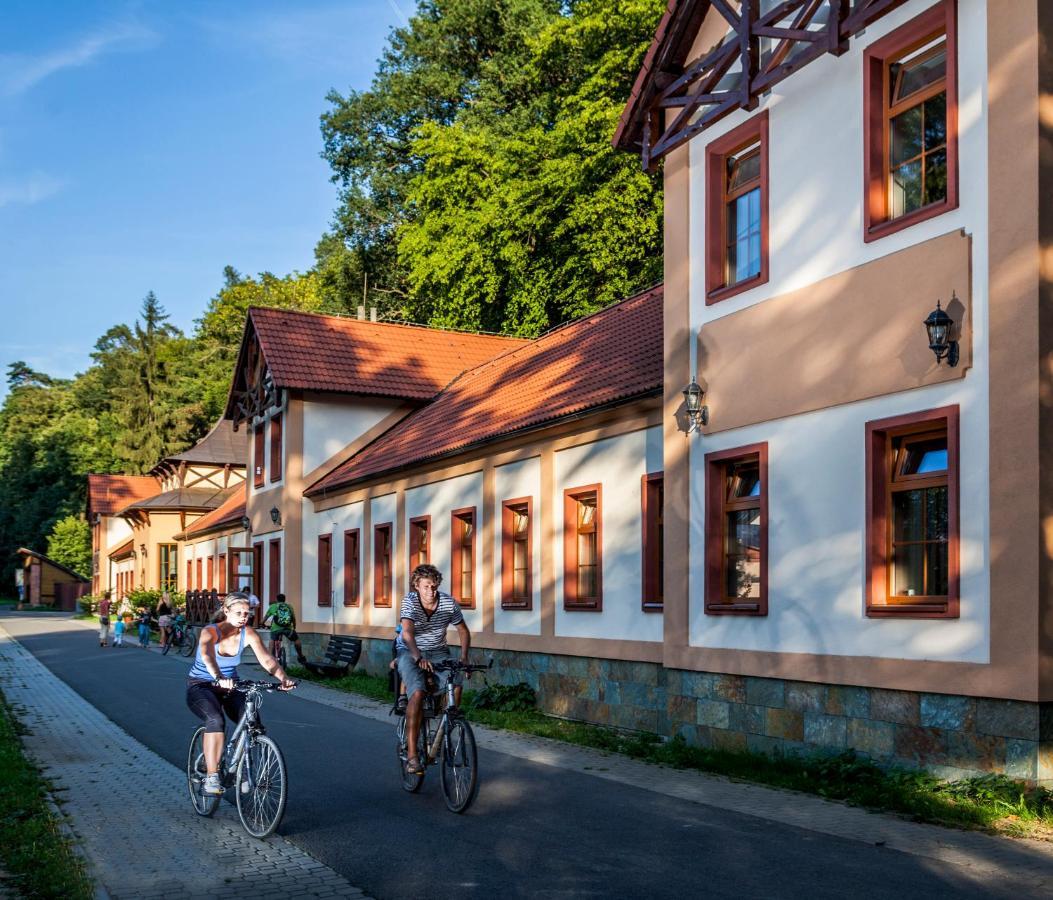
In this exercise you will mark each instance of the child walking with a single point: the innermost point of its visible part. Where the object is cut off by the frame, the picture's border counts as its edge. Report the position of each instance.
(118, 632)
(144, 628)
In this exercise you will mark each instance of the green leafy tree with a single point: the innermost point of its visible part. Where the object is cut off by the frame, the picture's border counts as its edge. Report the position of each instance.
(69, 543)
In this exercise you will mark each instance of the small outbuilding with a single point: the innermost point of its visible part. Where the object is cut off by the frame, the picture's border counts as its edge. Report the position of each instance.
(49, 583)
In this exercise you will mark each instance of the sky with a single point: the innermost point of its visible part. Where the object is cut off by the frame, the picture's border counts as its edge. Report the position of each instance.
(146, 145)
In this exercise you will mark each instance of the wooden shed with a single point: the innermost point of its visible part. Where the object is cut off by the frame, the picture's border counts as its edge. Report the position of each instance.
(48, 583)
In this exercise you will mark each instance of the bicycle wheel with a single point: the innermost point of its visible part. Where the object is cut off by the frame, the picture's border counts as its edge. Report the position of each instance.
(459, 770)
(204, 804)
(411, 783)
(167, 645)
(189, 642)
(261, 787)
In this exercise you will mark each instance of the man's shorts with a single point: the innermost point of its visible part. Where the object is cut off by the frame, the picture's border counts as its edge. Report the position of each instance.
(289, 633)
(413, 675)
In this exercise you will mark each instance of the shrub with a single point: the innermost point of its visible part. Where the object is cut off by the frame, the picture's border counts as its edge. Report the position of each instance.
(505, 698)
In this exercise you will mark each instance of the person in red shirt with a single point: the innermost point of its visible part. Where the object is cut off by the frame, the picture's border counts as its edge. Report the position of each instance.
(104, 619)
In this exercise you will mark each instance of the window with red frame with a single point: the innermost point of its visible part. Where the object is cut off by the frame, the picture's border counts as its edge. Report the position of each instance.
(912, 516)
(276, 448)
(911, 123)
(419, 541)
(352, 590)
(516, 554)
(210, 572)
(462, 556)
(325, 570)
(737, 210)
(583, 548)
(652, 500)
(222, 566)
(382, 565)
(737, 531)
(257, 456)
(274, 574)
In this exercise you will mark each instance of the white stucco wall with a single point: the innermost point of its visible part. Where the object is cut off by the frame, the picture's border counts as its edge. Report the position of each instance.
(618, 464)
(512, 481)
(335, 522)
(816, 461)
(117, 532)
(329, 427)
(438, 500)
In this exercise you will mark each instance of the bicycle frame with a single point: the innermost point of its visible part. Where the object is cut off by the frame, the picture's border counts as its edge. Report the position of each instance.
(239, 740)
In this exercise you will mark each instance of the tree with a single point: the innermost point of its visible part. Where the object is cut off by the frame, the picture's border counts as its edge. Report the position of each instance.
(70, 544)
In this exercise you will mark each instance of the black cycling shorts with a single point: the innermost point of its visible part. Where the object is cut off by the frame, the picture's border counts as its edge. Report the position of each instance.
(209, 702)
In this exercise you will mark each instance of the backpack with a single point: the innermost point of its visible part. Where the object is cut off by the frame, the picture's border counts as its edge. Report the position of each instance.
(283, 615)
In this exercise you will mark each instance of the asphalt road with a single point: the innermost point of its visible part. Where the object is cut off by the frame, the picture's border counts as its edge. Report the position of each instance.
(534, 831)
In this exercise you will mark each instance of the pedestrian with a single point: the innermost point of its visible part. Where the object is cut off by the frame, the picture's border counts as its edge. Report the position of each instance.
(118, 630)
(104, 619)
(144, 627)
(254, 606)
(164, 617)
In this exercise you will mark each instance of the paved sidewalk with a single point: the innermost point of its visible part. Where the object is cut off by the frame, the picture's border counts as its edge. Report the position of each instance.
(76, 746)
(981, 856)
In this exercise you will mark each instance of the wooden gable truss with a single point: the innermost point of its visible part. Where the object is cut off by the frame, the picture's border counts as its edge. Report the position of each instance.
(759, 50)
(254, 390)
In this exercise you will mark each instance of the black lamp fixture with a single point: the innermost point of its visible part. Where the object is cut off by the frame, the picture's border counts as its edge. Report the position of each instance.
(245, 523)
(939, 326)
(276, 515)
(696, 412)
(142, 550)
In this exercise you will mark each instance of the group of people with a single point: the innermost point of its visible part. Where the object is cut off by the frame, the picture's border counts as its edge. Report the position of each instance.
(168, 617)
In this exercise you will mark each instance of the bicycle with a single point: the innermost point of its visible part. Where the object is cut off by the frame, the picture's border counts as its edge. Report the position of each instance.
(251, 762)
(445, 738)
(278, 651)
(182, 637)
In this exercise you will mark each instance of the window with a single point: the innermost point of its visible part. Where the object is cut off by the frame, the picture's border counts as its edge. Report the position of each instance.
(200, 576)
(222, 566)
(210, 572)
(462, 556)
(737, 531)
(325, 570)
(911, 123)
(382, 565)
(652, 500)
(256, 585)
(912, 516)
(737, 210)
(274, 571)
(257, 456)
(168, 560)
(189, 574)
(276, 448)
(419, 541)
(583, 548)
(351, 568)
(516, 554)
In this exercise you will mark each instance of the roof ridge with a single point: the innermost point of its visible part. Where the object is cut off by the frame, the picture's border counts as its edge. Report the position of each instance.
(411, 325)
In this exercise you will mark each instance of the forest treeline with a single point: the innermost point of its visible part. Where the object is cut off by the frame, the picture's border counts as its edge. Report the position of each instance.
(478, 190)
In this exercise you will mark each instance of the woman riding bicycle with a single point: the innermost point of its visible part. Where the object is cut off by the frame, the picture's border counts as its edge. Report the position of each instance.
(210, 682)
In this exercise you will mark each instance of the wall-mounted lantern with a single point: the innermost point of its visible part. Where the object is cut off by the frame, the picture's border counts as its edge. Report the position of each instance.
(939, 327)
(245, 523)
(696, 412)
(276, 515)
(142, 550)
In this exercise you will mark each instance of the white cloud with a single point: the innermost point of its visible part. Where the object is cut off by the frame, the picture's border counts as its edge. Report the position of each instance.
(20, 72)
(30, 189)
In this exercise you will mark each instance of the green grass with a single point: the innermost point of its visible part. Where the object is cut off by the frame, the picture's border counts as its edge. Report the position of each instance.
(990, 802)
(32, 850)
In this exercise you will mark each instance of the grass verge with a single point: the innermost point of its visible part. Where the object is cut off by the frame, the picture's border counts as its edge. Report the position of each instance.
(990, 802)
(32, 849)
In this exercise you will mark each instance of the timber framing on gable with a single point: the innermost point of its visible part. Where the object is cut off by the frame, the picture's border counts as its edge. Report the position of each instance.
(675, 99)
(254, 391)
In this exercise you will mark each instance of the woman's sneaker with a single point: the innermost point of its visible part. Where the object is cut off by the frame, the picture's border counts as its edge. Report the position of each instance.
(212, 784)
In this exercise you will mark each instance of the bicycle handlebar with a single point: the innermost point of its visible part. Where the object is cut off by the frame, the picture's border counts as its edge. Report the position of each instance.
(246, 684)
(455, 664)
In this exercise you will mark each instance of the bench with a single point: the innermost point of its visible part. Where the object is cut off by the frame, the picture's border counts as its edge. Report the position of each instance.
(341, 654)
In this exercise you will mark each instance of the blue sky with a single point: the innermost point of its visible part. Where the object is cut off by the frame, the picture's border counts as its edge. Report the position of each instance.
(146, 145)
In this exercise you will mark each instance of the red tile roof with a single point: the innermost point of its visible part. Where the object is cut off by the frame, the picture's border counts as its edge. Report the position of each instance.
(312, 352)
(109, 494)
(228, 514)
(610, 356)
(124, 549)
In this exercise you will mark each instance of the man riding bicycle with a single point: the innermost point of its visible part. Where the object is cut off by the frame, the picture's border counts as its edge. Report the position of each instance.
(283, 624)
(426, 614)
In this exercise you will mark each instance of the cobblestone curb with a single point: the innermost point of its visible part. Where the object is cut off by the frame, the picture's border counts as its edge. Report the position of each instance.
(75, 745)
(980, 855)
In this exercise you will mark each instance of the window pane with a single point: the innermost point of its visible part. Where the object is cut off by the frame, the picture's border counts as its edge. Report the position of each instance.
(743, 167)
(936, 514)
(936, 566)
(744, 480)
(586, 582)
(924, 457)
(521, 522)
(936, 177)
(743, 554)
(908, 77)
(587, 512)
(907, 567)
(744, 237)
(905, 189)
(906, 135)
(907, 516)
(935, 121)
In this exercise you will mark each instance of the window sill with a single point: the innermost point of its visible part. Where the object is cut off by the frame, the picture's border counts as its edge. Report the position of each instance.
(726, 292)
(653, 607)
(735, 609)
(591, 606)
(942, 610)
(890, 226)
(516, 605)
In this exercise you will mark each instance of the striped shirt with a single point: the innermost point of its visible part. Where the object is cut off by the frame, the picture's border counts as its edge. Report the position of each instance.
(430, 631)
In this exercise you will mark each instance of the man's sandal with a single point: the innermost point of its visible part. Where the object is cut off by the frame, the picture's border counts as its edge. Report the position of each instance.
(413, 766)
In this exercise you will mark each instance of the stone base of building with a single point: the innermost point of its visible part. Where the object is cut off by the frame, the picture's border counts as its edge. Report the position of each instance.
(950, 735)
